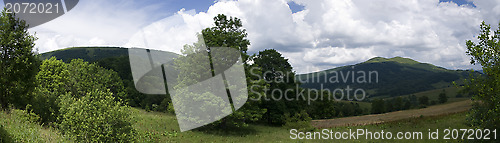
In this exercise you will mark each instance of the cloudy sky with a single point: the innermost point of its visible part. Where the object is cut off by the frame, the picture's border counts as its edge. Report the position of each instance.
(313, 34)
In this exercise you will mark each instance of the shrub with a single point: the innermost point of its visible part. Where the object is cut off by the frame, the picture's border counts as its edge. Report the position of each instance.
(4, 135)
(57, 78)
(300, 121)
(95, 117)
(52, 80)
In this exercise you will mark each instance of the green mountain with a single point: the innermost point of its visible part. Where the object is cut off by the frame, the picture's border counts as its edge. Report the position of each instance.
(377, 76)
(114, 58)
(89, 54)
(386, 77)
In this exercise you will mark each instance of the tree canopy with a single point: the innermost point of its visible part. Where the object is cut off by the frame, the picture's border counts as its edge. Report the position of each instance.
(18, 64)
(485, 88)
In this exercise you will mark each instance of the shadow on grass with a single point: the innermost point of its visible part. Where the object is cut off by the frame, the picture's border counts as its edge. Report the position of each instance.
(228, 131)
(4, 136)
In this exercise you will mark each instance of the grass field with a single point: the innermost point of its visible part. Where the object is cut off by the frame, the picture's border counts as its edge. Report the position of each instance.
(163, 127)
(436, 110)
(18, 126)
(451, 93)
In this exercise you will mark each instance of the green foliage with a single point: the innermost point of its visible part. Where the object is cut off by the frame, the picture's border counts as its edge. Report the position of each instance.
(21, 126)
(53, 80)
(57, 78)
(277, 72)
(485, 89)
(111, 58)
(442, 97)
(18, 64)
(378, 106)
(398, 103)
(323, 109)
(96, 117)
(300, 121)
(5, 137)
(87, 77)
(424, 100)
(227, 32)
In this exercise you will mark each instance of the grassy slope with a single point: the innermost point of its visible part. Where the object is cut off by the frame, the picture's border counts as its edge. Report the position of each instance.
(16, 127)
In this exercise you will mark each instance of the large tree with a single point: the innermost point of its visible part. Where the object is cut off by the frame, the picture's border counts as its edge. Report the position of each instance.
(18, 64)
(278, 73)
(227, 32)
(485, 88)
(194, 68)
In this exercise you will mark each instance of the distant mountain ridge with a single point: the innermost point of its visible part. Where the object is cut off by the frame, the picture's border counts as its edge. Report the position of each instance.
(115, 58)
(89, 54)
(396, 76)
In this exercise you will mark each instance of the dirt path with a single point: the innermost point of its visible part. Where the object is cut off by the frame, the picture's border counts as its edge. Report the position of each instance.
(393, 116)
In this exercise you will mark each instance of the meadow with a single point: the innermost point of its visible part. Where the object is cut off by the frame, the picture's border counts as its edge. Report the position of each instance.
(163, 127)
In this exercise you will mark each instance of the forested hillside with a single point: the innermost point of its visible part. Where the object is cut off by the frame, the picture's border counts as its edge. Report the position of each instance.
(396, 76)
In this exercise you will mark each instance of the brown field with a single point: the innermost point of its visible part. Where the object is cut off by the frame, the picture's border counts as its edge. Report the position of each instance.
(436, 110)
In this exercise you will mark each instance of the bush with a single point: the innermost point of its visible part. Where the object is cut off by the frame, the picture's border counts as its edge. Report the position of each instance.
(300, 121)
(96, 117)
(53, 80)
(4, 136)
(57, 78)
(442, 97)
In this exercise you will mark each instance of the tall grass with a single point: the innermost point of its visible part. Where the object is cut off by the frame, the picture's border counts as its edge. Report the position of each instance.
(21, 126)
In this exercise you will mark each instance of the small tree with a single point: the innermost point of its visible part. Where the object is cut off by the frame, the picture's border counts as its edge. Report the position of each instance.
(378, 106)
(413, 100)
(424, 100)
(18, 64)
(407, 105)
(485, 112)
(442, 97)
(398, 103)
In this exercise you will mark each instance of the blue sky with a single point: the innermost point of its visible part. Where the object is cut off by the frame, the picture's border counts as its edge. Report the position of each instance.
(460, 2)
(314, 35)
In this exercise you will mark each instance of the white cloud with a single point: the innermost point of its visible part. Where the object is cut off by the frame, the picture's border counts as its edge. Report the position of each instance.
(325, 34)
(96, 23)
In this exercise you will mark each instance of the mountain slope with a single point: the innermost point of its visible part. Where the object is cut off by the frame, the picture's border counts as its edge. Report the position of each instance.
(89, 54)
(115, 58)
(383, 77)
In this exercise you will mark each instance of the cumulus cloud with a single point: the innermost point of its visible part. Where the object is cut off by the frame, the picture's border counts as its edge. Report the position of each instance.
(325, 34)
(96, 23)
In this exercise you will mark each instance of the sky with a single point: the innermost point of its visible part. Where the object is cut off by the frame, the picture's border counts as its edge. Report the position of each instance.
(313, 35)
